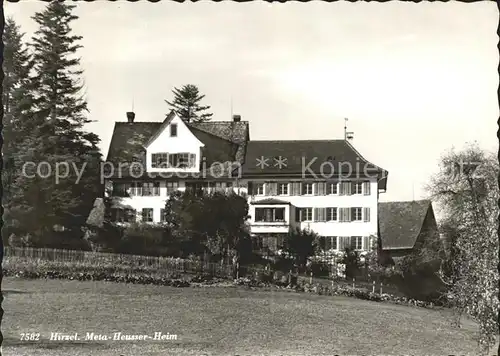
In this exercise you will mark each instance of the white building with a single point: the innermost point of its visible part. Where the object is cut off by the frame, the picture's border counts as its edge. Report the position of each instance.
(322, 185)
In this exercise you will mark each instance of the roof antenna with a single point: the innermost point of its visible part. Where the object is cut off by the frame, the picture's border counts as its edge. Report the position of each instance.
(348, 135)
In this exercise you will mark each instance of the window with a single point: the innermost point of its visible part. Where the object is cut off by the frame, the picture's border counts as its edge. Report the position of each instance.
(159, 160)
(345, 188)
(307, 188)
(209, 187)
(123, 215)
(259, 188)
(173, 160)
(356, 242)
(331, 214)
(328, 243)
(121, 189)
(151, 188)
(279, 214)
(270, 214)
(147, 215)
(305, 214)
(282, 188)
(357, 188)
(182, 160)
(163, 215)
(136, 189)
(220, 186)
(172, 187)
(173, 130)
(356, 214)
(331, 188)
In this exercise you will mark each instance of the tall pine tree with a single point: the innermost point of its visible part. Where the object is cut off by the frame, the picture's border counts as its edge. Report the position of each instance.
(187, 104)
(17, 121)
(59, 137)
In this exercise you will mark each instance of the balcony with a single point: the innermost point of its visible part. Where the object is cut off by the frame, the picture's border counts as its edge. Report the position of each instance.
(270, 216)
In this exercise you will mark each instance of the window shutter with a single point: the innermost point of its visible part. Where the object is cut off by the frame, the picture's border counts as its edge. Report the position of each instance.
(366, 188)
(366, 214)
(366, 243)
(316, 214)
(323, 214)
(342, 243)
(349, 188)
(274, 188)
(349, 214)
(341, 189)
(139, 188)
(321, 188)
(251, 188)
(297, 214)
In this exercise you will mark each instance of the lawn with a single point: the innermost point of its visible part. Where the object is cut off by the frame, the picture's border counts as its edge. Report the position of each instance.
(219, 321)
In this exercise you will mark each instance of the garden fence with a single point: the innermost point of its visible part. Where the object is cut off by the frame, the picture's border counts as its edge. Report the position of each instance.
(168, 264)
(125, 260)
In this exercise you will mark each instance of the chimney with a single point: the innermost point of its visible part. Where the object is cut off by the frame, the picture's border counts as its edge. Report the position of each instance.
(130, 116)
(236, 118)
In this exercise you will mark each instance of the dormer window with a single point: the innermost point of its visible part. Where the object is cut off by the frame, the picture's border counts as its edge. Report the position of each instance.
(173, 130)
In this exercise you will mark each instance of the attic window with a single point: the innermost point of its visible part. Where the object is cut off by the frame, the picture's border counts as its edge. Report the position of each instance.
(330, 158)
(173, 130)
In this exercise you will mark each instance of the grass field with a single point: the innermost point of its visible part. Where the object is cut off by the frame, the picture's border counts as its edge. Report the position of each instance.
(219, 321)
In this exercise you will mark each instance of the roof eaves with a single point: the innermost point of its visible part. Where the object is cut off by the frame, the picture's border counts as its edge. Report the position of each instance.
(167, 120)
(364, 159)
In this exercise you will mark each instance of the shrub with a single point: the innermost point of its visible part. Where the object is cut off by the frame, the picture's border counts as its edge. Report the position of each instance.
(352, 263)
(283, 264)
(320, 269)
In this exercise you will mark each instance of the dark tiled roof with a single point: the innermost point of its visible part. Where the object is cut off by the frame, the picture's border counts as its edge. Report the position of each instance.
(338, 154)
(400, 222)
(270, 201)
(128, 139)
(224, 142)
(237, 132)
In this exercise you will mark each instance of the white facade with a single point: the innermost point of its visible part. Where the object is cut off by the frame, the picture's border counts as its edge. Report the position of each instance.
(335, 213)
(182, 142)
(365, 227)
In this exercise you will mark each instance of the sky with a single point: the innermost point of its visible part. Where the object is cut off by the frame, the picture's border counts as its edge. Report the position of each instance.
(414, 80)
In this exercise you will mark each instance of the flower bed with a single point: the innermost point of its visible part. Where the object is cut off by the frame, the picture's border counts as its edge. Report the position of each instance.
(336, 290)
(149, 275)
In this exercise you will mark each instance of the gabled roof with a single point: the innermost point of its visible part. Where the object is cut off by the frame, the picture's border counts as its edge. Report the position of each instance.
(165, 123)
(299, 154)
(270, 201)
(400, 222)
(224, 142)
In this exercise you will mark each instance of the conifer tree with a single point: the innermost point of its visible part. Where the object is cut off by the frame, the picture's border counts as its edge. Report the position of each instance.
(17, 102)
(60, 113)
(187, 104)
